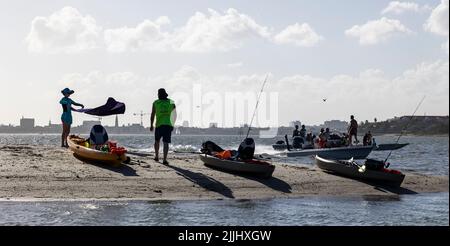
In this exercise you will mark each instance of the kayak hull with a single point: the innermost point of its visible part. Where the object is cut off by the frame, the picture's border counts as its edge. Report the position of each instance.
(341, 153)
(347, 169)
(257, 169)
(93, 155)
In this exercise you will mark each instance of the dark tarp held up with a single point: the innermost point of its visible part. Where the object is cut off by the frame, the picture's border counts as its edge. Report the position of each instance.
(111, 107)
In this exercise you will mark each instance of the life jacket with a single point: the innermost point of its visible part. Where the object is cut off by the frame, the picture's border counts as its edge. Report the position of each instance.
(118, 150)
(224, 155)
(98, 135)
(322, 143)
(247, 149)
(163, 111)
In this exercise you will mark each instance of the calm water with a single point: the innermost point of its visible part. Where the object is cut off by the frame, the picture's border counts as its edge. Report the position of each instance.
(429, 209)
(425, 155)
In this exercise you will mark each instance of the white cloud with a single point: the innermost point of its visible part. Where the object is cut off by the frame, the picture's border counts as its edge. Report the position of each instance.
(212, 31)
(298, 34)
(369, 93)
(397, 7)
(145, 36)
(377, 31)
(217, 32)
(205, 32)
(437, 23)
(429, 78)
(65, 31)
(68, 31)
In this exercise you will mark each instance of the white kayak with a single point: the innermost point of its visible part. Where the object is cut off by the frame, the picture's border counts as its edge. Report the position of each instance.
(253, 167)
(352, 170)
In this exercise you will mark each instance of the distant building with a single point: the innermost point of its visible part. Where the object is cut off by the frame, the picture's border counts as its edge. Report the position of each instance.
(295, 123)
(136, 128)
(27, 124)
(213, 125)
(336, 125)
(52, 127)
(116, 124)
(185, 123)
(88, 124)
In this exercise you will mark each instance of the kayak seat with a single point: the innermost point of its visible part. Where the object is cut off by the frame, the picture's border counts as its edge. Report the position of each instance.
(98, 135)
(246, 149)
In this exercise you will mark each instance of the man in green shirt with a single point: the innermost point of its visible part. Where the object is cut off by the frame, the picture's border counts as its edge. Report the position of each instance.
(164, 111)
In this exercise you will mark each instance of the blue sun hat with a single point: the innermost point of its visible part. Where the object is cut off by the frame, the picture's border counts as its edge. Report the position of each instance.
(67, 91)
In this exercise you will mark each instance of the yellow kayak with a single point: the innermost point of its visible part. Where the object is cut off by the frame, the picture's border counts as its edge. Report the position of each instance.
(77, 145)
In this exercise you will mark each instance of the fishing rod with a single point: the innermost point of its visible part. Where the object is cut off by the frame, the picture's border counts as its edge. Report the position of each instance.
(406, 127)
(256, 107)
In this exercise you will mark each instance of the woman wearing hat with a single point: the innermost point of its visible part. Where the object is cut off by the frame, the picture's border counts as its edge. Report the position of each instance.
(66, 116)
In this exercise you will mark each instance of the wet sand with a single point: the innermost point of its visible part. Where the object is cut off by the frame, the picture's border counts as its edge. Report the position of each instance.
(49, 173)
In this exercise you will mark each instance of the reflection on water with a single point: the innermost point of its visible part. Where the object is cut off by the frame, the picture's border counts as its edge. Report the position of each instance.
(426, 209)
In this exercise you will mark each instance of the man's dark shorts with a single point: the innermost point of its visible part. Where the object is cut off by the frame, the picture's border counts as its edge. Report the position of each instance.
(164, 132)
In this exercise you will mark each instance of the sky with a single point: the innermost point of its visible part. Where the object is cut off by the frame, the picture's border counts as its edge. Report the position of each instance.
(370, 58)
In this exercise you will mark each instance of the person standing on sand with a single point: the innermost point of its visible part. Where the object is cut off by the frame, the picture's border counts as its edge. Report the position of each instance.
(66, 116)
(164, 111)
(353, 130)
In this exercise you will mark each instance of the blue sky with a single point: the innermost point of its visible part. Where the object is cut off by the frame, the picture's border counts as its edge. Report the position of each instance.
(410, 52)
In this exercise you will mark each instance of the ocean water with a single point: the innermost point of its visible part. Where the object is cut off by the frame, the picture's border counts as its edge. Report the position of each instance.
(423, 210)
(428, 155)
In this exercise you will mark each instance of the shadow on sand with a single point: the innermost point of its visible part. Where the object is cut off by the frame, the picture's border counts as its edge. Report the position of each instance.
(272, 182)
(391, 189)
(381, 187)
(123, 169)
(204, 181)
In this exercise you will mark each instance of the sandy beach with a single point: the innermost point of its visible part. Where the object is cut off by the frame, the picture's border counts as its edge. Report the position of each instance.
(47, 173)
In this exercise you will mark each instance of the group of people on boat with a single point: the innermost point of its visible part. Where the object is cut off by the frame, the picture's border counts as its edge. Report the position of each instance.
(327, 139)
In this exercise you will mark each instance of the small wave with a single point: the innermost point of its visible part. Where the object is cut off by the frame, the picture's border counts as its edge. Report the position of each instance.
(185, 148)
(143, 150)
(267, 149)
(89, 206)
